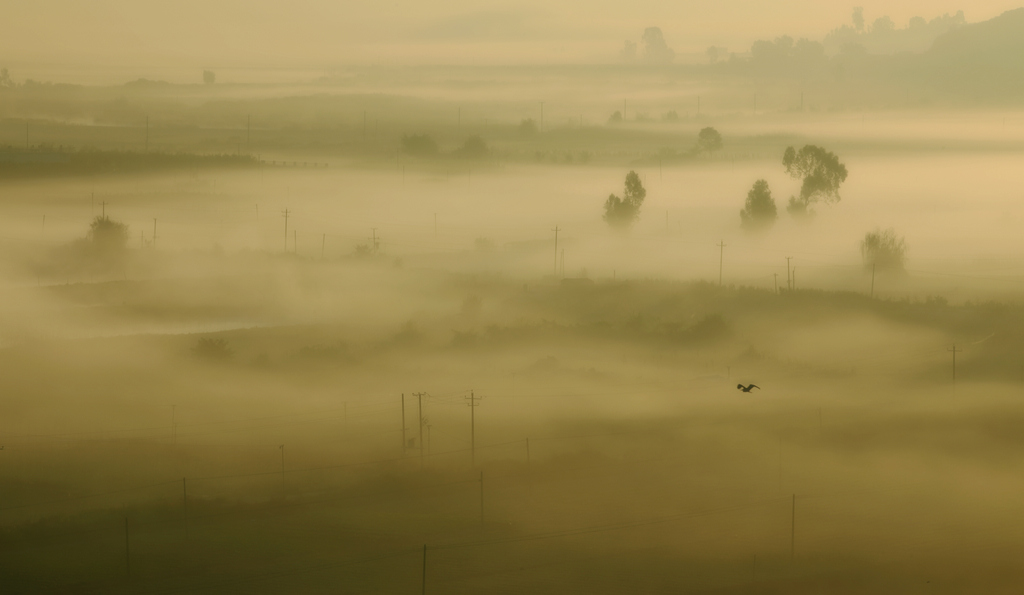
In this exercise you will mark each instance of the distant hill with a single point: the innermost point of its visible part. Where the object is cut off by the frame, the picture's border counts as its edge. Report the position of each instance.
(993, 45)
(981, 63)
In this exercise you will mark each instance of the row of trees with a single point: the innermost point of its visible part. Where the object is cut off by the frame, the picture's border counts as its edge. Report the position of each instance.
(821, 174)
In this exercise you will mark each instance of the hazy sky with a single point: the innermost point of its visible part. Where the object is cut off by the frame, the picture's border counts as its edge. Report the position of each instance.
(224, 33)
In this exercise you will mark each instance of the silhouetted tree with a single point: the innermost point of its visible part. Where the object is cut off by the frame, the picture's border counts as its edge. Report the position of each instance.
(419, 144)
(109, 238)
(212, 349)
(615, 118)
(858, 18)
(884, 250)
(473, 148)
(622, 212)
(713, 54)
(5, 79)
(628, 51)
(708, 140)
(209, 77)
(656, 51)
(528, 126)
(759, 212)
(822, 174)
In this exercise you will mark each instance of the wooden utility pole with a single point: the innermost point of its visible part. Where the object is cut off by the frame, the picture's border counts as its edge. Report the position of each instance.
(472, 426)
(792, 532)
(954, 350)
(423, 583)
(556, 250)
(419, 400)
(721, 257)
(184, 504)
(789, 278)
(286, 230)
(872, 280)
(127, 551)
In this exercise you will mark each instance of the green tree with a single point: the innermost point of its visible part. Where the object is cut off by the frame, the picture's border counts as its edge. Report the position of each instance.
(759, 212)
(623, 212)
(822, 174)
(884, 250)
(708, 140)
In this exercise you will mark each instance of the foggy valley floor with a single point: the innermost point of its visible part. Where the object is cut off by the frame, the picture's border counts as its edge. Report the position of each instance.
(232, 400)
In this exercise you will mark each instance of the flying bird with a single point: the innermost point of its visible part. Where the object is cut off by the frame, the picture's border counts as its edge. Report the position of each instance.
(747, 388)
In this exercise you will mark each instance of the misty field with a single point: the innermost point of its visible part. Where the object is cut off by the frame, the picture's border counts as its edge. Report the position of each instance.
(412, 388)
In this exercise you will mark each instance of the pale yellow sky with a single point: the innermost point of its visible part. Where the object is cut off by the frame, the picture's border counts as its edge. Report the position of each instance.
(319, 33)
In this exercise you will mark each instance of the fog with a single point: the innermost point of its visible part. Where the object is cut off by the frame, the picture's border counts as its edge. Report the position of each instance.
(437, 299)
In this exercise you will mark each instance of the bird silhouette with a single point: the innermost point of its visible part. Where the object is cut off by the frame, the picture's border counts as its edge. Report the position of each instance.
(747, 388)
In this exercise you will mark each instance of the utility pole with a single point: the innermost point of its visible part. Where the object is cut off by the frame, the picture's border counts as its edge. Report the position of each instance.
(127, 550)
(248, 131)
(154, 232)
(556, 250)
(147, 134)
(403, 425)
(792, 532)
(295, 241)
(103, 212)
(872, 280)
(721, 256)
(184, 504)
(419, 398)
(286, 230)
(472, 426)
(954, 350)
(282, 461)
(423, 584)
(789, 278)
(373, 231)
(481, 499)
